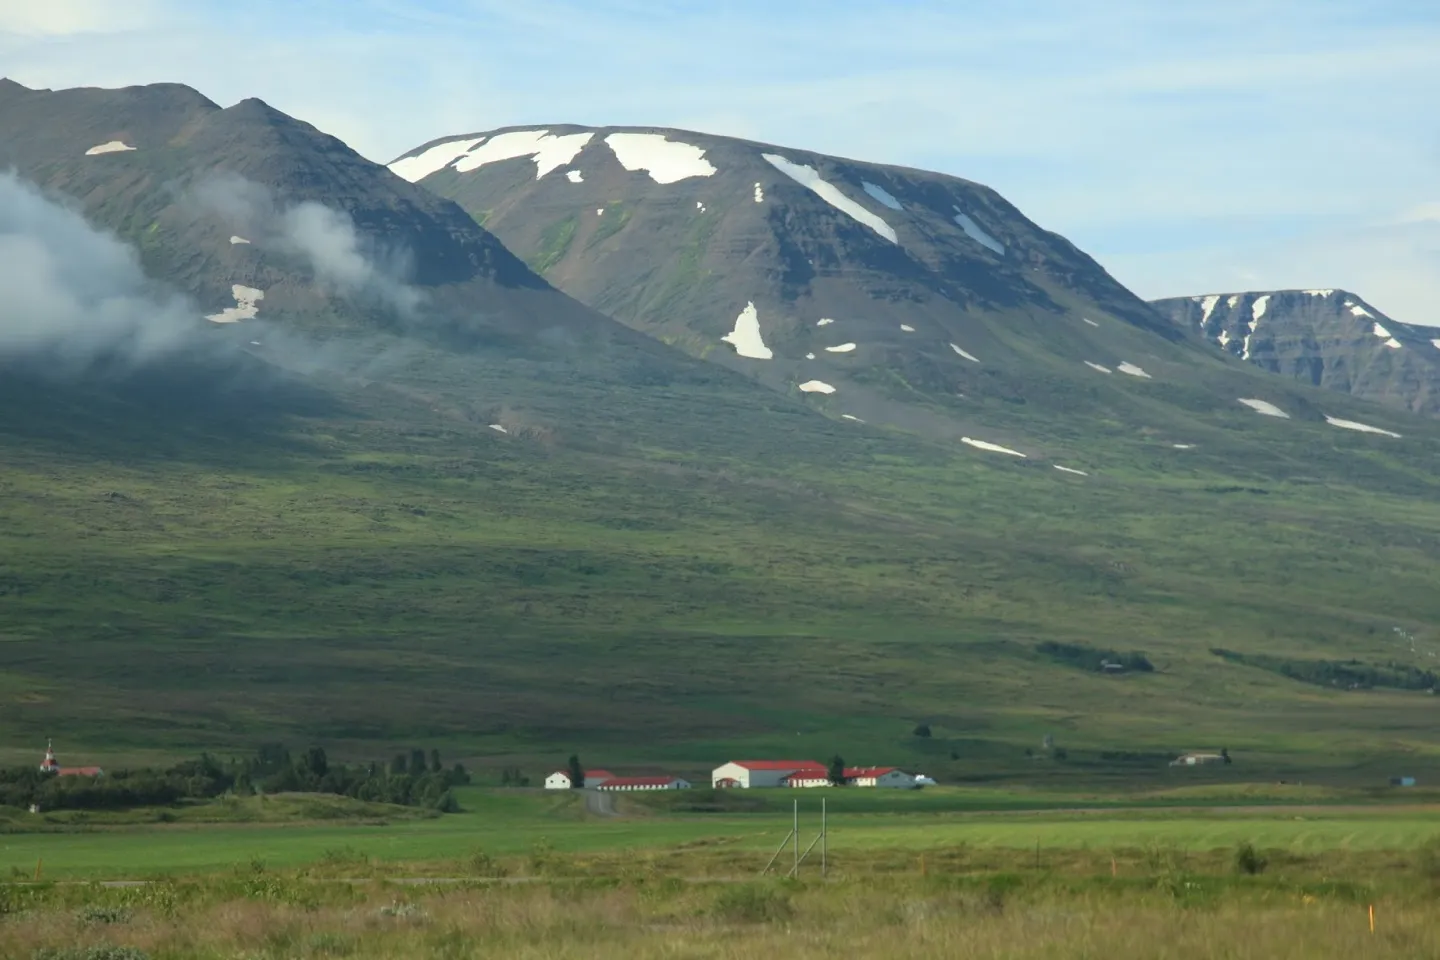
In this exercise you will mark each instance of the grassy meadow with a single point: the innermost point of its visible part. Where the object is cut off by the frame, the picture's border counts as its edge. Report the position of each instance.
(941, 873)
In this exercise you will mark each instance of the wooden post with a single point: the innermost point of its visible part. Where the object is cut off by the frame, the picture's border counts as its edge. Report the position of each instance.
(1372, 918)
(1112, 867)
(824, 839)
(39, 861)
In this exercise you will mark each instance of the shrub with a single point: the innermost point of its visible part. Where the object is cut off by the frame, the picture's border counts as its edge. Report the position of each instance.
(97, 914)
(752, 903)
(1248, 861)
(923, 730)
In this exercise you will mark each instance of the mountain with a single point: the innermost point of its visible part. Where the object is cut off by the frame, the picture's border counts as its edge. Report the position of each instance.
(1329, 338)
(885, 293)
(256, 214)
(428, 499)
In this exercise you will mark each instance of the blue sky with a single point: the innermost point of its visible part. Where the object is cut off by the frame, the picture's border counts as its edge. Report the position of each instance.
(1190, 147)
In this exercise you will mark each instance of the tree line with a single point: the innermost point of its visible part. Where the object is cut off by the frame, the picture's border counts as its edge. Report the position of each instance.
(414, 779)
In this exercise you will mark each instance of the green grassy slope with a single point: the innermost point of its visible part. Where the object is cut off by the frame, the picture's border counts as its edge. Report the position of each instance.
(667, 573)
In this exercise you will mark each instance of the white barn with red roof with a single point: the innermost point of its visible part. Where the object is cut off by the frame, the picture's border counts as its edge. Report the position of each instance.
(762, 773)
(560, 779)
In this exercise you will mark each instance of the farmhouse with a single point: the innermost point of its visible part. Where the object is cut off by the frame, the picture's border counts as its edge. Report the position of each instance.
(762, 773)
(855, 777)
(560, 779)
(51, 765)
(644, 783)
(803, 773)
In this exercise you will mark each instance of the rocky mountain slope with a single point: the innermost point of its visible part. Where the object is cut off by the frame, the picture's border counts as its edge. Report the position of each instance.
(881, 294)
(1329, 338)
(256, 214)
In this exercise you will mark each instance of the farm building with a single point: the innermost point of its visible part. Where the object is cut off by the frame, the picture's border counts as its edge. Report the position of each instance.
(560, 779)
(762, 773)
(855, 777)
(644, 783)
(1196, 759)
(51, 765)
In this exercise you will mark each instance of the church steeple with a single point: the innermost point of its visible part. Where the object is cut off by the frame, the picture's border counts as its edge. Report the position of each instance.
(49, 763)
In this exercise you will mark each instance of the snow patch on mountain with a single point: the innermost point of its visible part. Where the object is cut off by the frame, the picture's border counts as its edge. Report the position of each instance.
(1319, 293)
(575, 176)
(1207, 307)
(842, 348)
(235, 240)
(745, 338)
(1096, 366)
(1265, 407)
(881, 194)
(809, 356)
(247, 300)
(851, 417)
(907, 328)
(436, 158)
(977, 233)
(549, 152)
(113, 146)
(1183, 446)
(1232, 301)
(759, 193)
(1089, 321)
(810, 178)
(1435, 344)
(1362, 427)
(1257, 310)
(824, 322)
(816, 386)
(667, 161)
(992, 447)
(498, 428)
(1358, 310)
(968, 356)
(1078, 473)
(1133, 370)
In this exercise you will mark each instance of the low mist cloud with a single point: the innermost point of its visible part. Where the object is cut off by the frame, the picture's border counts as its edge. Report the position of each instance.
(325, 238)
(75, 292)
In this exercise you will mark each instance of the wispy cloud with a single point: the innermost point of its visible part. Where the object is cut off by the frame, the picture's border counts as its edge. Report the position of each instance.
(1150, 134)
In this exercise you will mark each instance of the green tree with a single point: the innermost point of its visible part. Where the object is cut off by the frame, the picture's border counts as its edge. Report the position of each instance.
(397, 766)
(1224, 755)
(418, 766)
(435, 766)
(315, 762)
(577, 772)
(837, 770)
(923, 730)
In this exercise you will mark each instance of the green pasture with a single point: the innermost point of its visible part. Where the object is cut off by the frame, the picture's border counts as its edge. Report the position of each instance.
(520, 824)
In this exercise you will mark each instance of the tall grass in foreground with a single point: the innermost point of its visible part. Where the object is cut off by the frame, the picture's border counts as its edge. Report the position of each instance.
(259, 916)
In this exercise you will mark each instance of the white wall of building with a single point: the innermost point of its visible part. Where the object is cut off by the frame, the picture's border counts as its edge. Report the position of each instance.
(557, 781)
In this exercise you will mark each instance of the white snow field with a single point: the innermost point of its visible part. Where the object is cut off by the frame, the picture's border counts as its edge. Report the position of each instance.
(824, 322)
(977, 234)
(575, 176)
(113, 146)
(1207, 307)
(1358, 310)
(842, 348)
(1380, 331)
(1435, 344)
(434, 159)
(1362, 427)
(759, 193)
(667, 161)
(1257, 310)
(745, 338)
(808, 177)
(881, 194)
(809, 356)
(499, 428)
(851, 417)
(906, 328)
(549, 152)
(1078, 473)
(993, 447)
(247, 300)
(1096, 366)
(234, 240)
(968, 356)
(1089, 321)
(816, 386)
(1265, 407)
(1318, 293)
(1133, 370)
(1232, 301)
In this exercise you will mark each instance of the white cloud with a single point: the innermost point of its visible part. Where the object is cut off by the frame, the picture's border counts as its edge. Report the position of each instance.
(57, 18)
